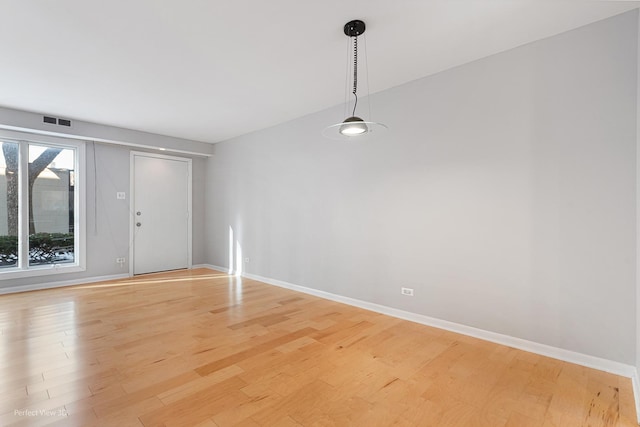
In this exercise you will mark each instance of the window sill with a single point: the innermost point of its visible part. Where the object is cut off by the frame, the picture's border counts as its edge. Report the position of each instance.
(41, 271)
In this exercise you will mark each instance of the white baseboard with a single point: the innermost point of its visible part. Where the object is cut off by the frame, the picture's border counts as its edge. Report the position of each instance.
(51, 285)
(212, 267)
(530, 346)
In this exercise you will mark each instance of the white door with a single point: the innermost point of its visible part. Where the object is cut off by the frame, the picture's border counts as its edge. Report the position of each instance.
(161, 221)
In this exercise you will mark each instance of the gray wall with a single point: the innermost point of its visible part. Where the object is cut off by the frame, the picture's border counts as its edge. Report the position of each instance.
(638, 225)
(108, 218)
(504, 194)
(108, 225)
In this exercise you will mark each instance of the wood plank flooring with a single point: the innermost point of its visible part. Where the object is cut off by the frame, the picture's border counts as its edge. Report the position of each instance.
(201, 348)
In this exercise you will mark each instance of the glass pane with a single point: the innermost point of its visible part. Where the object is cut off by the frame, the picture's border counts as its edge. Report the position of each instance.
(51, 205)
(9, 204)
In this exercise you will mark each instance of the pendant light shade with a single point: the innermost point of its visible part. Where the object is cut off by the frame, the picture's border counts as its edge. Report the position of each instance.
(353, 127)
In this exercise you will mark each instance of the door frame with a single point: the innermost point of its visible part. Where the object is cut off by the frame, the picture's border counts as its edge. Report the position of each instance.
(132, 215)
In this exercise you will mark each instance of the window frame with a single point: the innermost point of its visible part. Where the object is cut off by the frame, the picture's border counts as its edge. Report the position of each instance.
(23, 270)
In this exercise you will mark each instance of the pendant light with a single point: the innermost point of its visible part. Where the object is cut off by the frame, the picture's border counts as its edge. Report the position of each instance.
(353, 126)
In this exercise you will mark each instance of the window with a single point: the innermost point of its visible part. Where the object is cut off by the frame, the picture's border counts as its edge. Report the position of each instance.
(41, 222)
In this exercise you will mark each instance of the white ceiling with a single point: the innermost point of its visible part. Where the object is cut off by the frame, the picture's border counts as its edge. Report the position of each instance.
(209, 70)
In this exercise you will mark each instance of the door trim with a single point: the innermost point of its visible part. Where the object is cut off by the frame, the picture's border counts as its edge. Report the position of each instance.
(132, 216)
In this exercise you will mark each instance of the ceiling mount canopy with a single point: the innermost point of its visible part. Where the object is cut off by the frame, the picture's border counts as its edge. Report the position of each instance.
(353, 126)
(354, 28)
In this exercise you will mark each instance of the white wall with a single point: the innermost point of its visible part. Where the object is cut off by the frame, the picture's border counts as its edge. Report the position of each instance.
(504, 194)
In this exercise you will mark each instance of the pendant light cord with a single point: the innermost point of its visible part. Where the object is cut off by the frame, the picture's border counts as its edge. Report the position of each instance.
(355, 73)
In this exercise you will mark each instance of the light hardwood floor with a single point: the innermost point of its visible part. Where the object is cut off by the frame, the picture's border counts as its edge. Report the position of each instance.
(202, 348)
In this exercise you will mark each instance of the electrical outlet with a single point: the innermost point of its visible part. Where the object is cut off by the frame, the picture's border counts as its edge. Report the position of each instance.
(121, 195)
(120, 261)
(407, 291)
